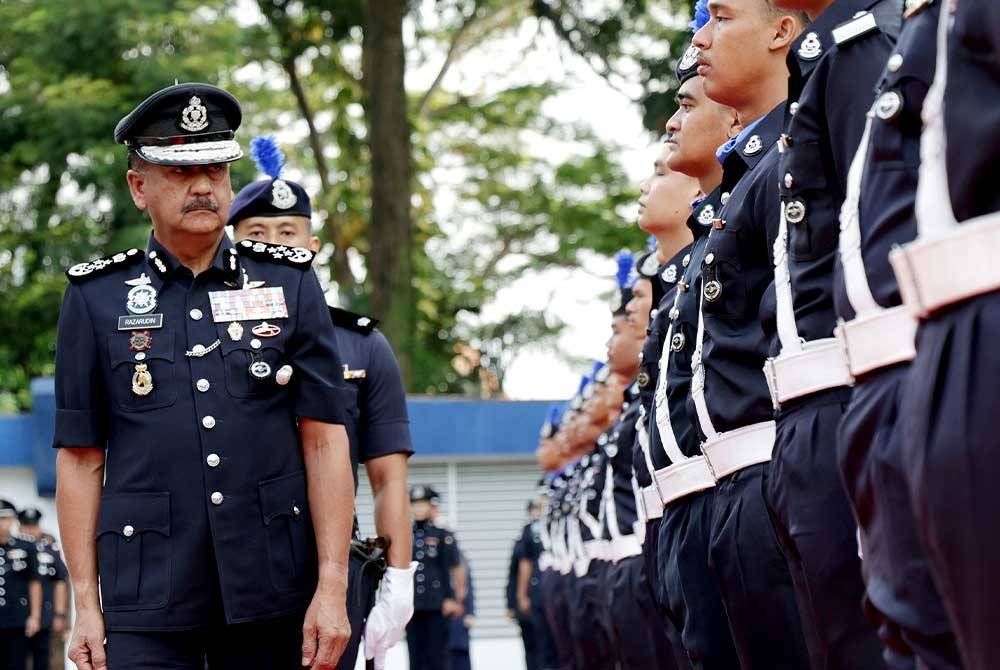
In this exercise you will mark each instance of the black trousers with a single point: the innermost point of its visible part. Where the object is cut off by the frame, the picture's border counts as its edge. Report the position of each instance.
(640, 635)
(13, 648)
(361, 588)
(818, 533)
(901, 596)
(753, 576)
(650, 551)
(589, 622)
(555, 597)
(530, 642)
(266, 644)
(39, 647)
(692, 590)
(427, 640)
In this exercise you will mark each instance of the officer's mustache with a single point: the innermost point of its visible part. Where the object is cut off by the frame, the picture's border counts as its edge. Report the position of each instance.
(200, 203)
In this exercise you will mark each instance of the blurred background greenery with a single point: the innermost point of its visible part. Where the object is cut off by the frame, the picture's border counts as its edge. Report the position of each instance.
(430, 197)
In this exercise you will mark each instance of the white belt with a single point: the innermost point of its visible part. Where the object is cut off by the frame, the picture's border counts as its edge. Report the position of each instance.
(735, 450)
(597, 550)
(625, 546)
(581, 566)
(545, 561)
(879, 340)
(652, 505)
(934, 273)
(682, 479)
(816, 366)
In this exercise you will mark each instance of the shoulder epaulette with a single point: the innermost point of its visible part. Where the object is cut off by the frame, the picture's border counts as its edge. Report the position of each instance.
(296, 257)
(82, 272)
(862, 24)
(914, 7)
(351, 321)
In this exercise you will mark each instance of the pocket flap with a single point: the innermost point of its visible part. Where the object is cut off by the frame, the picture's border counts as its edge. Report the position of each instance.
(283, 496)
(160, 346)
(129, 514)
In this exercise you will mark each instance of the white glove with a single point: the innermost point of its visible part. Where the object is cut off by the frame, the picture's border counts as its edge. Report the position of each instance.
(387, 620)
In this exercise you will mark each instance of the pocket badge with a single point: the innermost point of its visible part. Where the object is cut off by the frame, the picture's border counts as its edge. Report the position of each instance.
(142, 380)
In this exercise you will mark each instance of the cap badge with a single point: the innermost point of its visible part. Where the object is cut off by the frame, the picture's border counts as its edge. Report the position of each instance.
(811, 48)
(689, 59)
(195, 116)
(754, 146)
(706, 215)
(282, 195)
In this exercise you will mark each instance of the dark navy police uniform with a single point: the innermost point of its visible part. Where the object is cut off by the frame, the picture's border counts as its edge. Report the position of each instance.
(834, 66)
(51, 569)
(436, 552)
(18, 568)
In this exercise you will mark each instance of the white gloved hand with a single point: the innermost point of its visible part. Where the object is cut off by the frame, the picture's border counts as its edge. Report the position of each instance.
(387, 620)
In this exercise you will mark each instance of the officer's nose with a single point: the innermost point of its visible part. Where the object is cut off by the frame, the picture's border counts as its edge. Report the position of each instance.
(201, 183)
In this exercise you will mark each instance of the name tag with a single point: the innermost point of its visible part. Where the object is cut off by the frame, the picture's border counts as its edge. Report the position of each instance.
(248, 305)
(143, 322)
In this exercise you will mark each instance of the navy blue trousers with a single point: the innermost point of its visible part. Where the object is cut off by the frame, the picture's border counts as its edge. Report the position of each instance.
(691, 589)
(901, 596)
(754, 578)
(427, 640)
(641, 638)
(816, 527)
(589, 622)
(951, 456)
(555, 595)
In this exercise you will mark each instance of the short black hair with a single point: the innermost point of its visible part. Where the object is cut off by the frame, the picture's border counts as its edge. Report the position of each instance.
(135, 161)
(797, 14)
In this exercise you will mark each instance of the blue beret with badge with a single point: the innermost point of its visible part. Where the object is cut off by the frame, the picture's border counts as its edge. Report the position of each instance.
(7, 509)
(423, 492)
(184, 124)
(272, 196)
(29, 516)
(626, 278)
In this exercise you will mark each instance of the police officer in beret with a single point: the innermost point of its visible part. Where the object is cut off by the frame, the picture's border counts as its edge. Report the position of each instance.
(377, 423)
(204, 470)
(440, 584)
(55, 600)
(20, 591)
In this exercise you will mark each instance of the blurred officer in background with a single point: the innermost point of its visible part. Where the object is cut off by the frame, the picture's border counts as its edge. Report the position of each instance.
(55, 594)
(21, 602)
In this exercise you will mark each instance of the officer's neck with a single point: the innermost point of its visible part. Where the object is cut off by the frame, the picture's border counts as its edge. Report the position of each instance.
(818, 8)
(770, 91)
(194, 251)
(4, 536)
(710, 182)
(671, 239)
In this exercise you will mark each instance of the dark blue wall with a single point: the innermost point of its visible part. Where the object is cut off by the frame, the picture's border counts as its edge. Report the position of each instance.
(441, 427)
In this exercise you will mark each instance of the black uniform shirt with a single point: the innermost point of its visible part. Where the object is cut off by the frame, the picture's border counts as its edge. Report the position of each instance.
(377, 419)
(587, 493)
(618, 448)
(735, 272)
(971, 112)
(683, 340)
(51, 569)
(832, 85)
(205, 488)
(436, 553)
(889, 187)
(18, 568)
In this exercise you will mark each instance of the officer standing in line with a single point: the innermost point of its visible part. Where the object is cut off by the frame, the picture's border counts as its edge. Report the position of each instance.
(529, 590)
(459, 657)
(378, 426)
(21, 600)
(513, 614)
(949, 278)
(553, 560)
(683, 485)
(441, 584)
(742, 63)
(204, 469)
(878, 334)
(833, 68)
(55, 594)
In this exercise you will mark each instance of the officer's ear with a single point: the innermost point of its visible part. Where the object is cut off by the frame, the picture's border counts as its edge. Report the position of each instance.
(136, 178)
(787, 28)
(314, 244)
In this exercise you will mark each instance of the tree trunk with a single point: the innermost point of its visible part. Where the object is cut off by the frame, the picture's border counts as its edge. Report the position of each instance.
(390, 256)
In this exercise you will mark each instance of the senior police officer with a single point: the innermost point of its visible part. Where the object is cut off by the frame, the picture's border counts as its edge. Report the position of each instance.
(21, 597)
(833, 65)
(441, 586)
(204, 477)
(742, 63)
(55, 594)
(948, 278)
(377, 423)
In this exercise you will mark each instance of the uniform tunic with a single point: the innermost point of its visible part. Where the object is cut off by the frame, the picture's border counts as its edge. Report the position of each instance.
(204, 513)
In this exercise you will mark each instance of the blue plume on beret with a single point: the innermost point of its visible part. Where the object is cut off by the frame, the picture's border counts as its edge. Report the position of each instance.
(268, 156)
(584, 382)
(555, 415)
(701, 16)
(625, 264)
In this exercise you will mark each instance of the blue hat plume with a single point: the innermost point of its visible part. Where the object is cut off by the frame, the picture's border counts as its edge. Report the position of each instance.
(555, 414)
(625, 265)
(584, 382)
(268, 156)
(701, 16)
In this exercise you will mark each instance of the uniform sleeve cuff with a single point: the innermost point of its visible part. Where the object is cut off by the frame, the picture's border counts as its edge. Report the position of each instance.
(392, 437)
(322, 403)
(78, 428)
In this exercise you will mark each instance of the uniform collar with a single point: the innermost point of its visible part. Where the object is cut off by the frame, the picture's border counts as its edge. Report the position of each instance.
(803, 54)
(163, 264)
(703, 213)
(755, 142)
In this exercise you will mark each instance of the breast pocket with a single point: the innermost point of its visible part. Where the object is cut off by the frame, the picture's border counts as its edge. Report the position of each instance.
(142, 369)
(723, 285)
(291, 548)
(134, 551)
(253, 363)
(803, 186)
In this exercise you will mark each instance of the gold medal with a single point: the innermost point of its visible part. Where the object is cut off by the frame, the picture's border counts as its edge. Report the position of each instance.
(142, 380)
